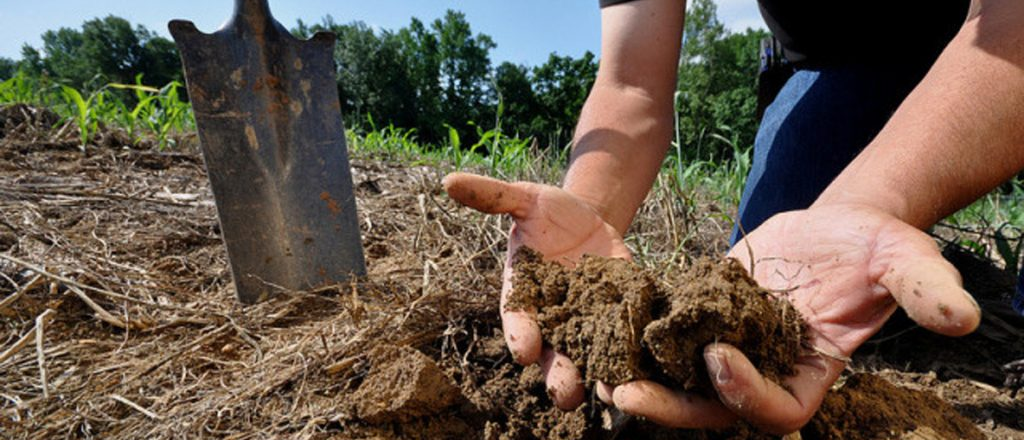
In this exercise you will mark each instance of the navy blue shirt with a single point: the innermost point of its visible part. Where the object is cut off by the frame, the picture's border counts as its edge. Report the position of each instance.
(862, 32)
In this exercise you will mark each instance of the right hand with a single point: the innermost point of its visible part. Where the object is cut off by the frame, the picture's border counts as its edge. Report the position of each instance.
(563, 228)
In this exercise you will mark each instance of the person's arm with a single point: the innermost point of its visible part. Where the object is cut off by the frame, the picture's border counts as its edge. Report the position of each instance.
(625, 127)
(959, 134)
(859, 250)
(620, 143)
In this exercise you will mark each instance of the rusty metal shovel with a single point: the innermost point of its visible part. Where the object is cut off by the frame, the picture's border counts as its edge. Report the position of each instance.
(269, 120)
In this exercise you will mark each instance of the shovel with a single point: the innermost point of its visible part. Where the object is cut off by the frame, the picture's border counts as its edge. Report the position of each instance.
(269, 119)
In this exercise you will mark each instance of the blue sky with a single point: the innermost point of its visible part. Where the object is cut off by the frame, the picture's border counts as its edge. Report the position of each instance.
(526, 31)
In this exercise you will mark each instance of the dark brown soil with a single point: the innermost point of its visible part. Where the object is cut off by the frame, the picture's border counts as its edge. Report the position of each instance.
(868, 407)
(618, 324)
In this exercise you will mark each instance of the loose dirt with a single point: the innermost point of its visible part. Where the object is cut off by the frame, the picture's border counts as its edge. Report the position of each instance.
(619, 325)
(868, 407)
(162, 349)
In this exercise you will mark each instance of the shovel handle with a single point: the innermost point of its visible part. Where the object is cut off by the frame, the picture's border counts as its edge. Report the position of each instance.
(252, 10)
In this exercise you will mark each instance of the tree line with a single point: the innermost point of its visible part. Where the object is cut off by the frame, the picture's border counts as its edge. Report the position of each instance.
(432, 77)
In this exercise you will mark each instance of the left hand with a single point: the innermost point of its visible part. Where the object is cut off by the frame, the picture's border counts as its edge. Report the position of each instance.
(845, 267)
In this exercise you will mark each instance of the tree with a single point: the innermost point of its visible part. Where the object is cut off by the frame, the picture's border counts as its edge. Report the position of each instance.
(63, 59)
(562, 85)
(372, 73)
(7, 68)
(160, 62)
(107, 49)
(421, 77)
(514, 90)
(31, 61)
(465, 68)
(422, 54)
(110, 46)
(717, 85)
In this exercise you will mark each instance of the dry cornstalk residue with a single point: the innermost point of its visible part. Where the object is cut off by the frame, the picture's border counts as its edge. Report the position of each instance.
(117, 248)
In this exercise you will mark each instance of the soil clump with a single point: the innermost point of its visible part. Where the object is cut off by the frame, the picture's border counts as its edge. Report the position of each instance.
(403, 384)
(868, 407)
(619, 324)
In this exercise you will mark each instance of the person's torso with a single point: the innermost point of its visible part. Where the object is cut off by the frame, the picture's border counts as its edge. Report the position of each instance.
(863, 32)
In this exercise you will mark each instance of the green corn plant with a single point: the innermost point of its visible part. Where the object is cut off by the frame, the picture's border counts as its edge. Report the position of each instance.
(454, 150)
(145, 105)
(172, 115)
(18, 89)
(83, 113)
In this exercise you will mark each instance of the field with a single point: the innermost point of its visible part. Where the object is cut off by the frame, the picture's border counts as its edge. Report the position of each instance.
(119, 319)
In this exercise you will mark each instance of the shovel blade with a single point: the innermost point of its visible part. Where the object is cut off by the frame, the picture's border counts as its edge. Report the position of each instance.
(269, 121)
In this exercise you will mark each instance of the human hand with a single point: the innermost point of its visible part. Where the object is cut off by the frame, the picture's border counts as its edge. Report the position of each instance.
(562, 228)
(845, 268)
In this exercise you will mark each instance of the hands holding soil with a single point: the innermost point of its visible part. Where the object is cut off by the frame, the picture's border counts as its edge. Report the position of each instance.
(561, 227)
(844, 267)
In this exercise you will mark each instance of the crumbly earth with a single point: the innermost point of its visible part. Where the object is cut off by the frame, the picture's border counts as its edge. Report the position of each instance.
(403, 384)
(618, 324)
(868, 407)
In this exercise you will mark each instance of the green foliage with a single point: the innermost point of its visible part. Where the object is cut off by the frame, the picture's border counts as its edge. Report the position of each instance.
(432, 76)
(7, 68)
(107, 50)
(155, 112)
(420, 77)
(509, 158)
(717, 85)
(24, 89)
(546, 100)
(84, 111)
(991, 226)
(373, 77)
(161, 112)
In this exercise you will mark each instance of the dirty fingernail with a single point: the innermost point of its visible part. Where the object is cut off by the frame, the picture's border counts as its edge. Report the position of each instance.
(718, 366)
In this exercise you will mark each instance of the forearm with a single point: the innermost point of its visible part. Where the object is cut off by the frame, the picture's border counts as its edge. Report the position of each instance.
(957, 135)
(621, 141)
(626, 125)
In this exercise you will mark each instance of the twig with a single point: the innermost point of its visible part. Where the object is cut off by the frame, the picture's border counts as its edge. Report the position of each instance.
(6, 303)
(136, 407)
(343, 364)
(94, 196)
(40, 353)
(22, 342)
(104, 292)
(102, 313)
(201, 340)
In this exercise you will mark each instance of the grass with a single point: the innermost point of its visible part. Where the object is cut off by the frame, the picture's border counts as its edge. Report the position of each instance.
(500, 156)
(688, 193)
(991, 227)
(140, 110)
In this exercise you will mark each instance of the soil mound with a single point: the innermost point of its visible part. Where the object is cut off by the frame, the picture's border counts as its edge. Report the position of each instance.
(868, 407)
(618, 324)
(403, 384)
(18, 120)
